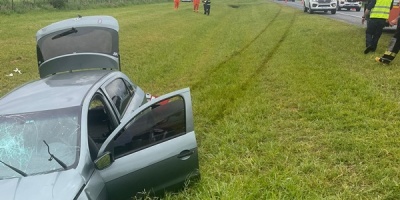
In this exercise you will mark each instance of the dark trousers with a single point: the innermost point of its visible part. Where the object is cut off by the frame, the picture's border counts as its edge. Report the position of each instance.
(393, 48)
(394, 45)
(207, 8)
(374, 32)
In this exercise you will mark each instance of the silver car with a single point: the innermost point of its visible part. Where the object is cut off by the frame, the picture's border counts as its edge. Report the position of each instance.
(84, 130)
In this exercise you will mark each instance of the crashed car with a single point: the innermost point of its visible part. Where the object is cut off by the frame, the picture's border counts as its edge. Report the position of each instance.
(84, 130)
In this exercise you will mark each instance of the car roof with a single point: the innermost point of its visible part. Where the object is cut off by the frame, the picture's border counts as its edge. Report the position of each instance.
(54, 92)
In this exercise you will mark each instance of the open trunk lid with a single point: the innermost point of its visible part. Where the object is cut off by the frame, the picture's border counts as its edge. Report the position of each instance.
(81, 43)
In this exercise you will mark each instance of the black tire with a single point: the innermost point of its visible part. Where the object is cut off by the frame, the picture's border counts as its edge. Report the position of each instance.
(309, 9)
(338, 8)
(333, 11)
(305, 8)
(358, 9)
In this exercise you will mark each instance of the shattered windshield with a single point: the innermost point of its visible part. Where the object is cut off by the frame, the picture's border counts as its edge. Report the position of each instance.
(22, 143)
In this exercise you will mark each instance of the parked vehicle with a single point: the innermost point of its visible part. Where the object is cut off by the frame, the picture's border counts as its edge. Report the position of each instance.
(349, 4)
(312, 6)
(84, 130)
(394, 12)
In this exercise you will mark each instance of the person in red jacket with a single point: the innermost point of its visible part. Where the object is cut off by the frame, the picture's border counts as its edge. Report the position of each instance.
(176, 4)
(196, 4)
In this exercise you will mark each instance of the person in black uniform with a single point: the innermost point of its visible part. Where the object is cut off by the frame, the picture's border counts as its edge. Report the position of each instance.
(207, 6)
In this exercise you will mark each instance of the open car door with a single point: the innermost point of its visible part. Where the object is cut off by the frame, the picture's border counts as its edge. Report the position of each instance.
(155, 148)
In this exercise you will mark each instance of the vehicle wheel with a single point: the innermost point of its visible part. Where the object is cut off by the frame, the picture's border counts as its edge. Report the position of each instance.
(338, 8)
(333, 11)
(348, 9)
(358, 9)
(309, 9)
(305, 8)
(325, 11)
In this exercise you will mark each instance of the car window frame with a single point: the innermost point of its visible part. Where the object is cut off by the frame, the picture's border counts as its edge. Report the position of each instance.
(130, 89)
(110, 112)
(184, 93)
(154, 135)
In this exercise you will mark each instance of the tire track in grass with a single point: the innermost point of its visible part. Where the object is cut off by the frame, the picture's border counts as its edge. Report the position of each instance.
(236, 53)
(268, 57)
(240, 89)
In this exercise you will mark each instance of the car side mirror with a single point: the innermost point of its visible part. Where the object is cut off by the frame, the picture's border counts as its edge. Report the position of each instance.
(104, 161)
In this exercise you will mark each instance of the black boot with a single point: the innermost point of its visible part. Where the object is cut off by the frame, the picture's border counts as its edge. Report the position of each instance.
(386, 58)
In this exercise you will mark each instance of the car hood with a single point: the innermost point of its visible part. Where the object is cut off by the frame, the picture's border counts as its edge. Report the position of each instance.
(56, 185)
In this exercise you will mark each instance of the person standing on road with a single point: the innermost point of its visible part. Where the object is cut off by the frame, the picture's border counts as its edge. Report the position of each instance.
(207, 6)
(176, 4)
(378, 12)
(196, 4)
(394, 45)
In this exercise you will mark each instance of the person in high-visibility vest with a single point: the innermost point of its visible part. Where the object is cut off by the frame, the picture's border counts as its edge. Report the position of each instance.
(394, 45)
(378, 12)
(176, 4)
(196, 4)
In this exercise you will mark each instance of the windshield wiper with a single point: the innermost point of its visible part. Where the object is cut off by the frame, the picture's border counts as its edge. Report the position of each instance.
(55, 158)
(72, 30)
(15, 169)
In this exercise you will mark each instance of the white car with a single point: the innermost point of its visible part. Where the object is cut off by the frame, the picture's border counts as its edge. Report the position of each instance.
(349, 4)
(311, 6)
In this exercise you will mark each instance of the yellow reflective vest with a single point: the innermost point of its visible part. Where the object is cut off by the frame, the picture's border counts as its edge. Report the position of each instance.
(381, 9)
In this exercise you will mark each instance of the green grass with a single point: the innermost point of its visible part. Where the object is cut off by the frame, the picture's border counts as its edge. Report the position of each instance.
(286, 104)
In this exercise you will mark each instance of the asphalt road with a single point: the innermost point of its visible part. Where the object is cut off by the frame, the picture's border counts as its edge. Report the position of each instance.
(351, 16)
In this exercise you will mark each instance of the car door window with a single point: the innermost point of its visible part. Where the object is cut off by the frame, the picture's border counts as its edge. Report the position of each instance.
(100, 123)
(160, 122)
(120, 93)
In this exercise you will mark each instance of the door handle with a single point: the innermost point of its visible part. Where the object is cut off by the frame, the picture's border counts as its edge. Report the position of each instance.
(185, 154)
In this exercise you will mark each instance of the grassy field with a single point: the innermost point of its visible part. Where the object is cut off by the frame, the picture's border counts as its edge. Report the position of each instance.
(286, 104)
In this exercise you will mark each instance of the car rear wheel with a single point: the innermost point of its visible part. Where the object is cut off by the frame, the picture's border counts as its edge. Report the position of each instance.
(305, 8)
(333, 11)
